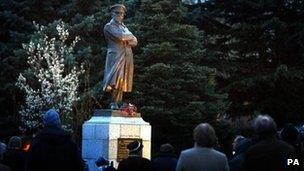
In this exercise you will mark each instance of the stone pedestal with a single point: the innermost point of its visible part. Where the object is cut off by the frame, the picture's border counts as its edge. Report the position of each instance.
(102, 133)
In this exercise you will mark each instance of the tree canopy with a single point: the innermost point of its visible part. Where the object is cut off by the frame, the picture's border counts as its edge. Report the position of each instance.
(193, 63)
(258, 48)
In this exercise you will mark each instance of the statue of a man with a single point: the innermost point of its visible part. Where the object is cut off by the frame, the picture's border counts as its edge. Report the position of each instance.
(118, 75)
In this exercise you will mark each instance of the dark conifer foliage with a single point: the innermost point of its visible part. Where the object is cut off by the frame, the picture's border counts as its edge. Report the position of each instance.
(173, 88)
(258, 48)
(191, 64)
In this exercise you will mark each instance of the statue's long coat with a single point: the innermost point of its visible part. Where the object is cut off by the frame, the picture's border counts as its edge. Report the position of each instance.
(119, 63)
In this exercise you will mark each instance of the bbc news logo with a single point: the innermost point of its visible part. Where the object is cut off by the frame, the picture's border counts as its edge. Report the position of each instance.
(293, 162)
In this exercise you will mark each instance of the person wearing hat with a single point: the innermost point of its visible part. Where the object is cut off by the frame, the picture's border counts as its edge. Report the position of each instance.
(118, 73)
(135, 162)
(53, 149)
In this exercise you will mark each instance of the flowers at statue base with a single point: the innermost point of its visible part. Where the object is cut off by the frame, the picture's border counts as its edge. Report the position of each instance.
(129, 108)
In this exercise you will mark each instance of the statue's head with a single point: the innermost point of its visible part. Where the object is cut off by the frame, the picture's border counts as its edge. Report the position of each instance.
(118, 12)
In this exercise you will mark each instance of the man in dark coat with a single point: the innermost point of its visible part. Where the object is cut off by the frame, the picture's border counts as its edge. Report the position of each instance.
(165, 160)
(52, 148)
(269, 153)
(290, 135)
(135, 162)
(240, 147)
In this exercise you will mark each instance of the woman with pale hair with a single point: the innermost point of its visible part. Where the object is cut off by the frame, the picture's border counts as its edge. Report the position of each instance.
(202, 157)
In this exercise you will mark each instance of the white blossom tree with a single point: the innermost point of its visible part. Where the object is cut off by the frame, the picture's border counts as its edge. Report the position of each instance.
(56, 83)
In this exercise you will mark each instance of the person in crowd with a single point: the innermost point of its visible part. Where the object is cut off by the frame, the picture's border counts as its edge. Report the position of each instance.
(269, 153)
(2, 149)
(165, 160)
(26, 142)
(240, 146)
(101, 163)
(301, 134)
(104, 165)
(14, 156)
(135, 161)
(236, 142)
(53, 149)
(202, 156)
(290, 134)
(225, 144)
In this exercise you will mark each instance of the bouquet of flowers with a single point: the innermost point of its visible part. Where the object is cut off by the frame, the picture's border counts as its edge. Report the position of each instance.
(129, 108)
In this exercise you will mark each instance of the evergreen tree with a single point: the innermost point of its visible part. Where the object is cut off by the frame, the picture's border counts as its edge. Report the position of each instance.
(17, 18)
(173, 88)
(257, 47)
(17, 28)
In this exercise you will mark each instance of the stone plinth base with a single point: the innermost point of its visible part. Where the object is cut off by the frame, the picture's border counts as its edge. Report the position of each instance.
(101, 133)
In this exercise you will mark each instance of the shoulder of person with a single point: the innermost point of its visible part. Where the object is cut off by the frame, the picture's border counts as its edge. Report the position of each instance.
(54, 131)
(218, 153)
(188, 151)
(288, 147)
(52, 135)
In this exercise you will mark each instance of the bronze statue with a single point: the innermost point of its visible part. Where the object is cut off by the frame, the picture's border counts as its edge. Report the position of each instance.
(118, 75)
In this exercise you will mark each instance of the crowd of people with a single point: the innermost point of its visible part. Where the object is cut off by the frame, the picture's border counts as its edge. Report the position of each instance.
(269, 150)
(51, 149)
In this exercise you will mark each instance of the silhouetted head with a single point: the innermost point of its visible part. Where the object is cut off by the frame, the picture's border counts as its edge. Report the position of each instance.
(15, 142)
(264, 126)
(237, 141)
(289, 133)
(166, 149)
(204, 135)
(51, 119)
(135, 147)
(101, 162)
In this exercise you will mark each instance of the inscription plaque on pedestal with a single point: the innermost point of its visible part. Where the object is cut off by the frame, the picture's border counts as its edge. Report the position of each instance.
(109, 132)
(122, 151)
